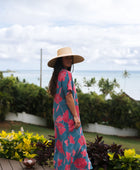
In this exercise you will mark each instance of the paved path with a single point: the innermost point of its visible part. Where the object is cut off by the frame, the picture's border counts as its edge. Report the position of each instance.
(7, 164)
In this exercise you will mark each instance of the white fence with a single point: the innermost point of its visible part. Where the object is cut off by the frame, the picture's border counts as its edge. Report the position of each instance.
(109, 130)
(26, 118)
(97, 128)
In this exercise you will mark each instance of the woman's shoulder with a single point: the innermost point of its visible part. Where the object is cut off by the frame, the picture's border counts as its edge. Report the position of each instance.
(64, 71)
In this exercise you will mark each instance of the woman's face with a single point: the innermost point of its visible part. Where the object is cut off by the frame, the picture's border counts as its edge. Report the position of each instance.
(67, 61)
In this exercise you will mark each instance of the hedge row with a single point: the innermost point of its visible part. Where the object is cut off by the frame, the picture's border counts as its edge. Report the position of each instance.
(120, 111)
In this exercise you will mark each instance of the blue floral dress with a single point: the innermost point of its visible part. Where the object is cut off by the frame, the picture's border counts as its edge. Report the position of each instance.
(70, 145)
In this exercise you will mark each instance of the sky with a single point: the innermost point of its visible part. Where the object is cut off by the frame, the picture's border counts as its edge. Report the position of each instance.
(105, 32)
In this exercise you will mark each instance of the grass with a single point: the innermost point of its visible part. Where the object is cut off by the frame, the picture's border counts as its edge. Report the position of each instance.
(124, 141)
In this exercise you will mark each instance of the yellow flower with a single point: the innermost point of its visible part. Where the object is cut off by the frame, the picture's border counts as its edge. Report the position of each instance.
(15, 136)
(19, 146)
(17, 155)
(137, 156)
(111, 155)
(20, 160)
(28, 155)
(27, 141)
(129, 153)
(120, 157)
(37, 136)
(3, 134)
(19, 133)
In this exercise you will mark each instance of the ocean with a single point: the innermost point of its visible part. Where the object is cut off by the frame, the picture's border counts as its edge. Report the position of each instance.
(130, 85)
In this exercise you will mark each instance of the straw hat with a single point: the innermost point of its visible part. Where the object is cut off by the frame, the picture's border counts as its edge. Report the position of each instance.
(64, 52)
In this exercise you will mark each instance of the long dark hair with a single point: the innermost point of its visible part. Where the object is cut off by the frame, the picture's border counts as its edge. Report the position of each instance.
(53, 82)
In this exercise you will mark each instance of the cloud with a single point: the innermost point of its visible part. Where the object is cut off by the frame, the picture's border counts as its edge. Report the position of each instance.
(103, 32)
(55, 12)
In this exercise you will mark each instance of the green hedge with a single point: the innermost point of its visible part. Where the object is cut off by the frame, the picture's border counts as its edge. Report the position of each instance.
(17, 96)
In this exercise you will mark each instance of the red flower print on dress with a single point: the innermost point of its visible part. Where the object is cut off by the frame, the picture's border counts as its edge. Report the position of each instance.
(71, 161)
(59, 119)
(76, 100)
(61, 128)
(74, 89)
(59, 146)
(62, 75)
(82, 141)
(57, 108)
(57, 98)
(68, 155)
(80, 163)
(73, 152)
(67, 167)
(55, 133)
(71, 139)
(59, 162)
(71, 125)
(84, 153)
(66, 142)
(69, 86)
(66, 116)
(54, 162)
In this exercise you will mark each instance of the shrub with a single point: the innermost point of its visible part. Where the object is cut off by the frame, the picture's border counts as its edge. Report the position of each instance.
(98, 153)
(45, 152)
(109, 157)
(6, 96)
(129, 161)
(93, 108)
(121, 111)
(21, 145)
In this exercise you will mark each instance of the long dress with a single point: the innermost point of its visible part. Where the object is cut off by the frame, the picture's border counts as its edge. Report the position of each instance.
(70, 145)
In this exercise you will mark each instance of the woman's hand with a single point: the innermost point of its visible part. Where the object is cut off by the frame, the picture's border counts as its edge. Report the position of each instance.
(77, 122)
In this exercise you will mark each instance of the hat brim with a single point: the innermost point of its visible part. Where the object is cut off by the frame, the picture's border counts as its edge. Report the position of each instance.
(76, 59)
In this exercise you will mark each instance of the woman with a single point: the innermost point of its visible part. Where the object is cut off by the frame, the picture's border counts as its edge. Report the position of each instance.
(70, 145)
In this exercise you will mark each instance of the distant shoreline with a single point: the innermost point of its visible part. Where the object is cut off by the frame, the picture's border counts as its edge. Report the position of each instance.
(8, 71)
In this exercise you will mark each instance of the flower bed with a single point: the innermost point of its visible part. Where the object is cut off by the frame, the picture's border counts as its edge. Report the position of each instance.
(103, 157)
(25, 145)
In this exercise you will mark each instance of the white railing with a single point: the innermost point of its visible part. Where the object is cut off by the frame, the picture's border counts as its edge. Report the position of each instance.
(26, 118)
(109, 130)
(97, 128)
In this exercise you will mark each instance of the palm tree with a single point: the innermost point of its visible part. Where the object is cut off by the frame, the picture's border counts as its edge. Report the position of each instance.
(89, 83)
(106, 86)
(126, 74)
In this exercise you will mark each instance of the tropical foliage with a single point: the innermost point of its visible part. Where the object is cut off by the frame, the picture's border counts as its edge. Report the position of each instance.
(22, 145)
(109, 157)
(119, 111)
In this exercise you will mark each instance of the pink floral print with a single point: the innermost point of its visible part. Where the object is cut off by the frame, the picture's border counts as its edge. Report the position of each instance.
(70, 145)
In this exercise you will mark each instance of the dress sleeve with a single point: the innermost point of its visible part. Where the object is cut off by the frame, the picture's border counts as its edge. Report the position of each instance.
(67, 83)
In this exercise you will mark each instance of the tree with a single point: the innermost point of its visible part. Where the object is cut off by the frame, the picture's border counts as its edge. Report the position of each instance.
(89, 83)
(107, 86)
(77, 85)
(125, 75)
(1, 75)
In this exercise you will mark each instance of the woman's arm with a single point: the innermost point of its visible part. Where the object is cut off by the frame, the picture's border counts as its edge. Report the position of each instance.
(71, 105)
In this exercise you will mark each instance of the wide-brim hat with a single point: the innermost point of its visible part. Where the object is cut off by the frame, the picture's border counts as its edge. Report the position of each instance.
(64, 52)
